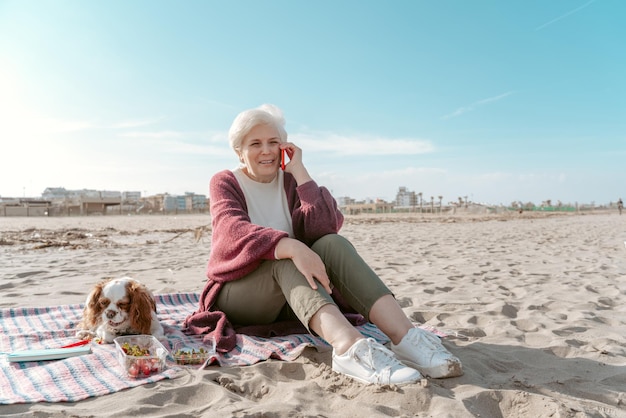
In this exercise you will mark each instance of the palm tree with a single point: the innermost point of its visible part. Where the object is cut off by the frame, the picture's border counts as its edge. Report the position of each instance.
(432, 204)
(440, 199)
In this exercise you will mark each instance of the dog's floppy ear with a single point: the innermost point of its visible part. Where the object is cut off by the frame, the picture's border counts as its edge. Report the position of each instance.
(91, 313)
(141, 307)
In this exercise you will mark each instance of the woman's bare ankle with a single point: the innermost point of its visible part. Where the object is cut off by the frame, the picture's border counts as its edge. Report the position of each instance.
(340, 348)
(330, 324)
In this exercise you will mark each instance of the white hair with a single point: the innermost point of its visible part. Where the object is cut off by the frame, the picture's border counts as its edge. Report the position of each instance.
(266, 114)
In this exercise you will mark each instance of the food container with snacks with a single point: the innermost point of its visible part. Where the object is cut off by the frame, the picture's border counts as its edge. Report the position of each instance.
(186, 354)
(140, 355)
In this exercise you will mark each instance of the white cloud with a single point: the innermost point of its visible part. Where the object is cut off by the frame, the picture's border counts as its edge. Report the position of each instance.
(469, 108)
(495, 176)
(342, 145)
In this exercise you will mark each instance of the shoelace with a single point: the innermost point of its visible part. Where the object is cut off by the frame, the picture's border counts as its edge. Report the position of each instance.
(377, 357)
(426, 341)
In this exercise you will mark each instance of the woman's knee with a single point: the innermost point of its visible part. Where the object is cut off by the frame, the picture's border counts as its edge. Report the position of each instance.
(331, 241)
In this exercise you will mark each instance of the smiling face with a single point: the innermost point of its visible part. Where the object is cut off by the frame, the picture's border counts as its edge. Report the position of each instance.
(260, 153)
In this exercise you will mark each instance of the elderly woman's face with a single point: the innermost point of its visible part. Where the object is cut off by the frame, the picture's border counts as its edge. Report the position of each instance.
(260, 153)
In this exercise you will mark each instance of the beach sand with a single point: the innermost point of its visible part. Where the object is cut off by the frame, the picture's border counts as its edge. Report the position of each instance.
(535, 305)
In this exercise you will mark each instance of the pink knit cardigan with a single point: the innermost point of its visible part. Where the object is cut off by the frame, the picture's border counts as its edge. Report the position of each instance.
(238, 247)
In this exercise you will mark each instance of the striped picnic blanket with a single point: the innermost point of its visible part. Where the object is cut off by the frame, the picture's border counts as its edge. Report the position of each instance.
(99, 373)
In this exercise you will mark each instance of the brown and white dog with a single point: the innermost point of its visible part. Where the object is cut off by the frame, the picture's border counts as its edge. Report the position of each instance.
(119, 307)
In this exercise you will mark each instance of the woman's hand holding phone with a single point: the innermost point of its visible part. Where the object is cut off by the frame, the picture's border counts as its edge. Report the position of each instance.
(286, 154)
(295, 167)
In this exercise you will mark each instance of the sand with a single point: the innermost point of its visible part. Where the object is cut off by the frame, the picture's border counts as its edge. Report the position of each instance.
(535, 306)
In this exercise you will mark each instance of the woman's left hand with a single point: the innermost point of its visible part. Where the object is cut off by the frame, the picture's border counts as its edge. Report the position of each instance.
(295, 166)
(307, 261)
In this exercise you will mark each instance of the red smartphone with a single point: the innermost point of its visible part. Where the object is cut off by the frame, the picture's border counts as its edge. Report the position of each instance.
(282, 159)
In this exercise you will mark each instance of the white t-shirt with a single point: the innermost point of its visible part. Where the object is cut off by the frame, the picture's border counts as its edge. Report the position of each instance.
(267, 202)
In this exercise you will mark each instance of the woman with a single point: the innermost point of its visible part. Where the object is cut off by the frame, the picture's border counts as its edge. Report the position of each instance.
(276, 256)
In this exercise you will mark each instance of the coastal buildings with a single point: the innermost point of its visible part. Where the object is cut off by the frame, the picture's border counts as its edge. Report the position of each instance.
(24, 207)
(406, 199)
(58, 201)
(352, 207)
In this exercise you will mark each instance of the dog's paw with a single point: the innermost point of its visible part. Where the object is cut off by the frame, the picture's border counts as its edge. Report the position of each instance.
(85, 334)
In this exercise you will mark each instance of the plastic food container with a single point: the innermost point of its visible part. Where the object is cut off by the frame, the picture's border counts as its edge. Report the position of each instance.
(192, 354)
(140, 355)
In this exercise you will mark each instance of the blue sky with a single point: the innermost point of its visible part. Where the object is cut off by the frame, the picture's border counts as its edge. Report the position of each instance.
(500, 101)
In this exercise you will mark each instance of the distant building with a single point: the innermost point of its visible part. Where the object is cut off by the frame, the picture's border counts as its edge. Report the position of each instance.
(60, 193)
(108, 194)
(350, 206)
(406, 198)
(170, 203)
(131, 197)
(54, 193)
(183, 203)
(344, 201)
(195, 201)
(24, 207)
(189, 202)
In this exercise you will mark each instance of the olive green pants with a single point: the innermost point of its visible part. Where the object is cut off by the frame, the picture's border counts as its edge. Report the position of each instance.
(277, 290)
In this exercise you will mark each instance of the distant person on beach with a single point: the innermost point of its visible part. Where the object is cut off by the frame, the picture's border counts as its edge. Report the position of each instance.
(620, 205)
(276, 259)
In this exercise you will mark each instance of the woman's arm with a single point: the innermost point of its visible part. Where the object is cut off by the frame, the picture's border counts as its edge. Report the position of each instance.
(237, 245)
(313, 209)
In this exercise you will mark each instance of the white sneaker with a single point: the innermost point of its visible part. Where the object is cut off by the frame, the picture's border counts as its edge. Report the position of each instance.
(370, 362)
(424, 351)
